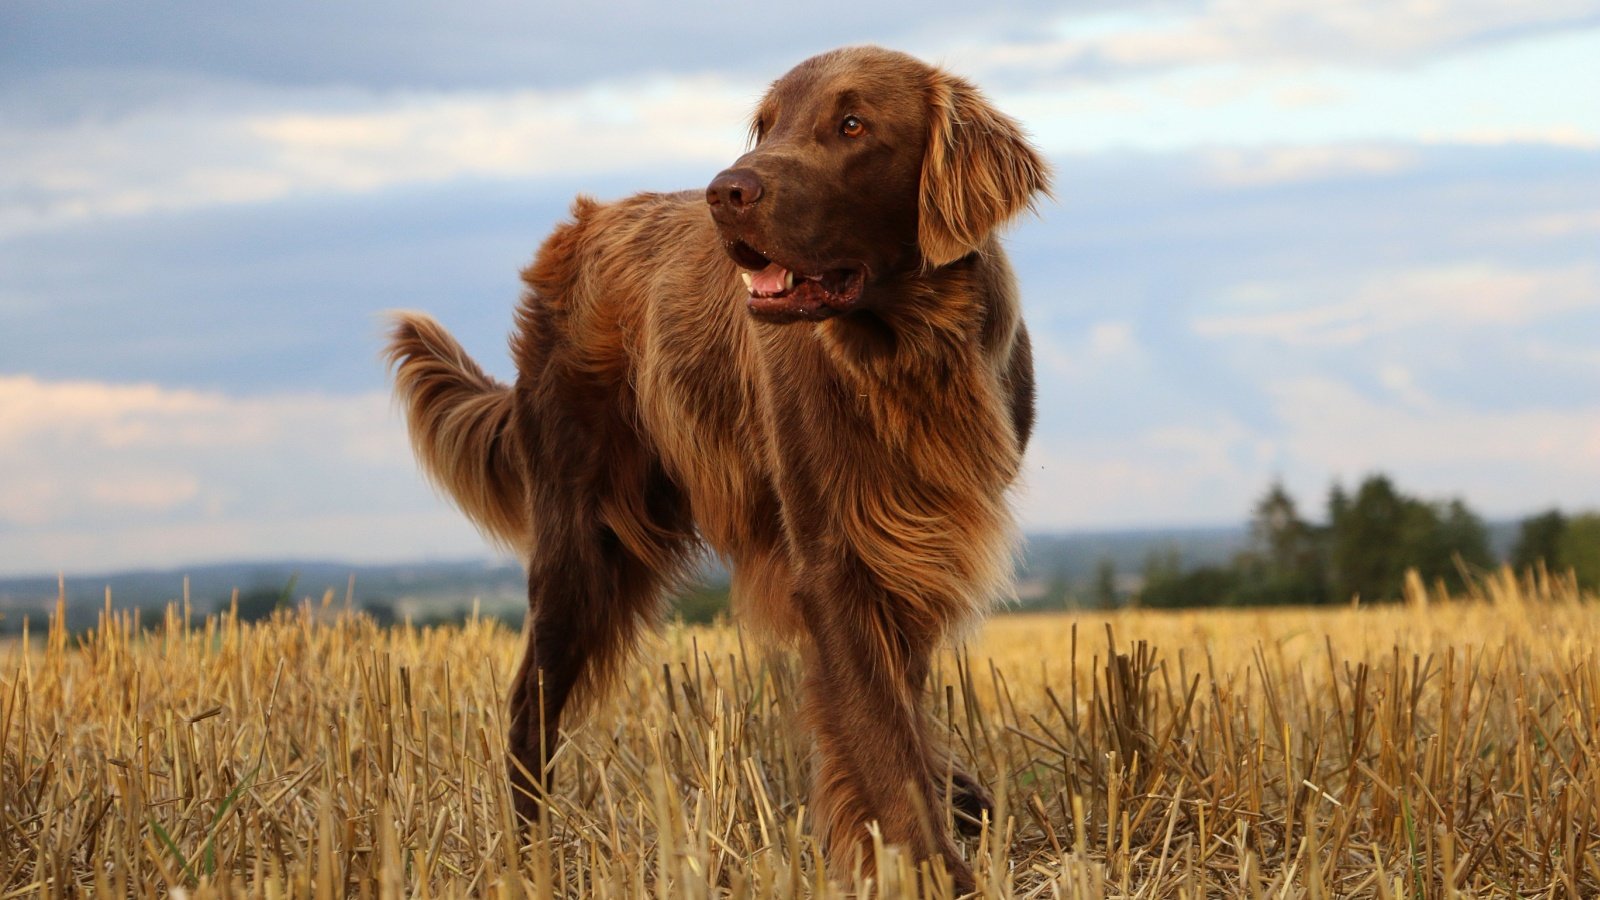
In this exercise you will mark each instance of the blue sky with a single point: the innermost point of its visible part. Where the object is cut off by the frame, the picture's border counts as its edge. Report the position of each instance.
(1292, 238)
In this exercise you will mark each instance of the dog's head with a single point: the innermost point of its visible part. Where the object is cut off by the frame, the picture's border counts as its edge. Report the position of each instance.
(867, 165)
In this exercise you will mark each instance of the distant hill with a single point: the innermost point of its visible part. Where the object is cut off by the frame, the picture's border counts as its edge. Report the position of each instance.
(1055, 570)
(416, 589)
(1075, 556)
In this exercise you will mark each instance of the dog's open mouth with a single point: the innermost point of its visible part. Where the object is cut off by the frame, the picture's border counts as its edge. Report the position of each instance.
(785, 295)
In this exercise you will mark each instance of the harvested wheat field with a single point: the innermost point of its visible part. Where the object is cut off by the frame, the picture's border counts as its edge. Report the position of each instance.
(1431, 749)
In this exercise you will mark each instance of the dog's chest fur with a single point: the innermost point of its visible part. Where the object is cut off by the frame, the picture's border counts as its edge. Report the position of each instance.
(892, 444)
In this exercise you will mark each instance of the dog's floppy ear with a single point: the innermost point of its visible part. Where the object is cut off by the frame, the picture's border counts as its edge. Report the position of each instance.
(977, 172)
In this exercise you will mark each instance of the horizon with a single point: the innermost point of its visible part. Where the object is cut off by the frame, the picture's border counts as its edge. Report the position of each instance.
(1288, 242)
(489, 558)
(1154, 534)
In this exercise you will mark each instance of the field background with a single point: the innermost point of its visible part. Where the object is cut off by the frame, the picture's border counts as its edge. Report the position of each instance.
(1438, 747)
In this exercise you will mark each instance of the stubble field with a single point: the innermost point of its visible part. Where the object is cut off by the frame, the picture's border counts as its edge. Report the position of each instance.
(1436, 748)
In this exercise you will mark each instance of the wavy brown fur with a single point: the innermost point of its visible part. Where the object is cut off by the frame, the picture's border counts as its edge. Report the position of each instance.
(851, 471)
(460, 421)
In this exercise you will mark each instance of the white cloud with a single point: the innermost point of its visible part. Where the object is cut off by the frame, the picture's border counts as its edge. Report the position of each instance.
(38, 416)
(1109, 339)
(1290, 74)
(1205, 469)
(1507, 462)
(332, 535)
(1402, 384)
(1455, 297)
(153, 492)
(187, 155)
(1574, 135)
(1260, 166)
(1558, 225)
(1544, 352)
(1210, 92)
(1107, 348)
(1291, 31)
(1200, 472)
(106, 475)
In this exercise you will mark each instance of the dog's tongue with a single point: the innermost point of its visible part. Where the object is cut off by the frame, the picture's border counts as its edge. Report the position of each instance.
(771, 280)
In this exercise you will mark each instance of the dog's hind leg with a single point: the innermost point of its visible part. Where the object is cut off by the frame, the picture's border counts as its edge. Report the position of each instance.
(592, 587)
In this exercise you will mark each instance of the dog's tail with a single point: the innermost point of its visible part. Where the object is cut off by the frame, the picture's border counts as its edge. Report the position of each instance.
(460, 422)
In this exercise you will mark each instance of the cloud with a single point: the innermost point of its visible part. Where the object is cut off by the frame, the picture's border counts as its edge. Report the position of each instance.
(179, 157)
(1205, 465)
(1107, 346)
(1438, 298)
(389, 45)
(1509, 462)
(1488, 91)
(151, 493)
(129, 115)
(1554, 135)
(1432, 320)
(1200, 469)
(1561, 225)
(100, 475)
(1362, 32)
(405, 45)
(1257, 166)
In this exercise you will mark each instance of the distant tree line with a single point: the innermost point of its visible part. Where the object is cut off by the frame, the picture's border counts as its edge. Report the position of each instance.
(1561, 544)
(1363, 549)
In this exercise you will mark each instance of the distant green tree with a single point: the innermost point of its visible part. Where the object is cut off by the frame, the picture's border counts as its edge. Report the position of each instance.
(1284, 562)
(1056, 593)
(380, 609)
(1540, 541)
(1161, 565)
(1580, 549)
(1205, 586)
(1104, 594)
(439, 617)
(1450, 536)
(1366, 535)
(259, 602)
(1381, 533)
(1338, 502)
(1166, 585)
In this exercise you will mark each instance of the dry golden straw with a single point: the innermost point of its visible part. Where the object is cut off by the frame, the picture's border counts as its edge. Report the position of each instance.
(1438, 748)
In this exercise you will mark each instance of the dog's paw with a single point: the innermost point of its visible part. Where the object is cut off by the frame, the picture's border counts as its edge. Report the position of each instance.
(970, 802)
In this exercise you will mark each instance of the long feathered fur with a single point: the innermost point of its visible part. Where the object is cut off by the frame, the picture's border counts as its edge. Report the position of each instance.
(852, 472)
(460, 423)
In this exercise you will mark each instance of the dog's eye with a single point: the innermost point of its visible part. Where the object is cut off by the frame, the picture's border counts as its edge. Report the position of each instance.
(852, 127)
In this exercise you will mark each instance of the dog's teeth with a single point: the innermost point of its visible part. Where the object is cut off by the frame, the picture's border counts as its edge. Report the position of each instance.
(788, 280)
(748, 281)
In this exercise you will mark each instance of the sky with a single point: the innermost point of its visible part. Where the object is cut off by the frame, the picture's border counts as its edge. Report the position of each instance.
(1304, 240)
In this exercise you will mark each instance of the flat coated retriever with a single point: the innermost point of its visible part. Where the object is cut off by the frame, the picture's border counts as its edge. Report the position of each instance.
(818, 367)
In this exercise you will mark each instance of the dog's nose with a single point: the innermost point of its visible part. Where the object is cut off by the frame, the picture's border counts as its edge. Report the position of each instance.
(733, 191)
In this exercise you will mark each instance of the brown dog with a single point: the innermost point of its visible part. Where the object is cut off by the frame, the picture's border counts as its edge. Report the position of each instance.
(818, 367)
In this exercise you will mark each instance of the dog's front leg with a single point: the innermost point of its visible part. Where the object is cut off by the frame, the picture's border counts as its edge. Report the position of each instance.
(864, 705)
(966, 795)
